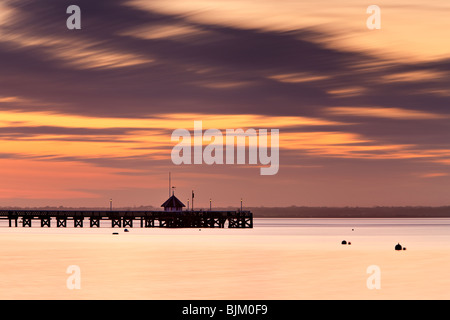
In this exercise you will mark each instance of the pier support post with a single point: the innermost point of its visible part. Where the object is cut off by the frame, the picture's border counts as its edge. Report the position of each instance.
(128, 222)
(26, 222)
(61, 222)
(45, 222)
(15, 221)
(78, 222)
(164, 223)
(116, 222)
(149, 222)
(242, 220)
(94, 222)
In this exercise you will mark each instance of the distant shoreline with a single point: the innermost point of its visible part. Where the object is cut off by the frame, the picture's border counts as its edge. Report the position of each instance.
(352, 212)
(300, 212)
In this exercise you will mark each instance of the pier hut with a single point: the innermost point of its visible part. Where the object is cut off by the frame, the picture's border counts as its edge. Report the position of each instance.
(173, 204)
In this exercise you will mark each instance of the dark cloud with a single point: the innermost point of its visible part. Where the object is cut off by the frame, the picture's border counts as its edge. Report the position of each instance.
(24, 131)
(172, 83)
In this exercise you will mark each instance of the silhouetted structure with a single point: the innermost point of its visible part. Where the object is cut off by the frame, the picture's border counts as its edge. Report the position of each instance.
(126, 219)
(398, 247)
(173, 204)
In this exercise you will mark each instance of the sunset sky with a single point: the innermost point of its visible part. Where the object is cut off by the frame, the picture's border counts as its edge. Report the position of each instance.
(87, 115)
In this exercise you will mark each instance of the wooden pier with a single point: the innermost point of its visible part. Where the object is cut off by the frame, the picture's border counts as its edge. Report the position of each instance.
(128, 219)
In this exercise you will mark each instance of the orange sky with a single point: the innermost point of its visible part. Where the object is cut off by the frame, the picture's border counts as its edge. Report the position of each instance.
(87, 115)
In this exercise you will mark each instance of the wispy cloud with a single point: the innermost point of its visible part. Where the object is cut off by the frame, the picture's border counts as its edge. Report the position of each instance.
(389, 113)
(110, 95)
(435, 175)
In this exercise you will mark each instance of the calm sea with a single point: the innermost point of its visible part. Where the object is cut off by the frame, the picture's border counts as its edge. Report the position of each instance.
(277, 259)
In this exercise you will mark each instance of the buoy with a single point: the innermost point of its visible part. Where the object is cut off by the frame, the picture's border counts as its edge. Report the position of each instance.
(126, 230)
(344, 242)
(398, 247)
(404, 248)
(349, 243)
(353, 229)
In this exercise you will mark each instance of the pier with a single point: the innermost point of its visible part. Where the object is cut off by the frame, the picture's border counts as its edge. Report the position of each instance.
(128, 219)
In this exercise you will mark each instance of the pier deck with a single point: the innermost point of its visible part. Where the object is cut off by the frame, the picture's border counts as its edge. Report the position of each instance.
(129, 219)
